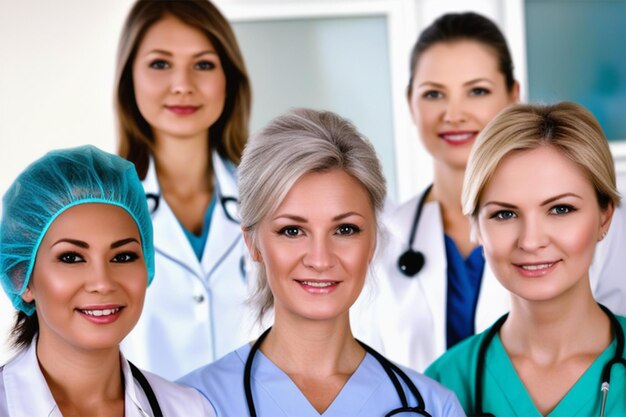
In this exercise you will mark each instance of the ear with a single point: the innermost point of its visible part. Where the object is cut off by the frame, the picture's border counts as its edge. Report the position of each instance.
(28, 295)
(515, 92)
(605, 220)
(254, 252)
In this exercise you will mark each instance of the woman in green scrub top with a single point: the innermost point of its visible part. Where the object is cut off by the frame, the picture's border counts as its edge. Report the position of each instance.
(540, 190)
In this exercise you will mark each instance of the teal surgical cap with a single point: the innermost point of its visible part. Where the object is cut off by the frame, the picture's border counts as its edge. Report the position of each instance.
(59, 180)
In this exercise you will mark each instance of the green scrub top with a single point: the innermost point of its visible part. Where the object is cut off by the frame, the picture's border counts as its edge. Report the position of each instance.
(504, 393)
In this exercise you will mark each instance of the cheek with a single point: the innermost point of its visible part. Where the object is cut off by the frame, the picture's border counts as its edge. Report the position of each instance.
(580, 240)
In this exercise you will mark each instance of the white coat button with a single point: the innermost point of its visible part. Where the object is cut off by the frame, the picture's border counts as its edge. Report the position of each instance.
(198, 298)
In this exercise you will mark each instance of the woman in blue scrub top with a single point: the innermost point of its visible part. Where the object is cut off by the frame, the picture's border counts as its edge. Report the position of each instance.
(540, 190)
(311, 193)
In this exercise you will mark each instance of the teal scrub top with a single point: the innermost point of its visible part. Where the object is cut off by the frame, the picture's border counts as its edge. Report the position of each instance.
(504, 393)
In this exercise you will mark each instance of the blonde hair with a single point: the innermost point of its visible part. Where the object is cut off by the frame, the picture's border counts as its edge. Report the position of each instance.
(229, 133)
(292, 145)
(568, 127)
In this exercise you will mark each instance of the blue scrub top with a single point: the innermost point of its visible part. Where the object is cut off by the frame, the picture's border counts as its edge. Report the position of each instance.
(369, 391)
(464, 279)
(198, 242)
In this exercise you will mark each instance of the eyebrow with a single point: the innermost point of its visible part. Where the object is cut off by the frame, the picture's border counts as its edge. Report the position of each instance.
(470, 82)
(543, 203)
(85, 245)
(168, 53)
(303, 220)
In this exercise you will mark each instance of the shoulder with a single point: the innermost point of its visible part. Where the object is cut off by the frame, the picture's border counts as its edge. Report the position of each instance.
(174, 397)
(221, 377)
(458, 362)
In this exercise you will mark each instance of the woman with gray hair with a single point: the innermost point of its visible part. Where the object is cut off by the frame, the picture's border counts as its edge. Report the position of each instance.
(311, 190)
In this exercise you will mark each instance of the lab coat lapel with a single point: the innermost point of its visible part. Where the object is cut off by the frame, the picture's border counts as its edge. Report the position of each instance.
(225, 234)
(27, 391)
(169, 238)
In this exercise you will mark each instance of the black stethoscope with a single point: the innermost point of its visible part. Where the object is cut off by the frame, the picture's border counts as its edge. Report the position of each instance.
(391, 369)
(618, 358)
(147, 389)
(411, 261)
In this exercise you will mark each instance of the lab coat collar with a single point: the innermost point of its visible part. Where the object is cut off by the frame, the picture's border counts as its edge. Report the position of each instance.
(27, 391)
(169, 238)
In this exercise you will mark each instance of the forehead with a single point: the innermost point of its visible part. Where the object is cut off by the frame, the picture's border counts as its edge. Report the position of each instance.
(91, 221)
(457, 60)
(537, 174)
(171, 33)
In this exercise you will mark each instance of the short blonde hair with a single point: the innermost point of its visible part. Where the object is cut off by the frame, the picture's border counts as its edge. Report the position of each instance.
(292, 145)
(568, 127)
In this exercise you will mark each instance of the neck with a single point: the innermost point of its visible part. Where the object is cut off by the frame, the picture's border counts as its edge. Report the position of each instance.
(182, 165)
(545, 330)
(314, 348)
(76, 376)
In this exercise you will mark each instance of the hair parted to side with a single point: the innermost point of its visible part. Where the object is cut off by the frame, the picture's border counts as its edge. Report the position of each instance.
(292, 145)
(568, 127)
(229, 133)
(454, 27)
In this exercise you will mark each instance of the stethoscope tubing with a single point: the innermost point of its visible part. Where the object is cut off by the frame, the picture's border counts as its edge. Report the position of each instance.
(618, 358)
(390, 368)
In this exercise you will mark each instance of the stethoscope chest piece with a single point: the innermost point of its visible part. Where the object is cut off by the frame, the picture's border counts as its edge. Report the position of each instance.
(411, 262)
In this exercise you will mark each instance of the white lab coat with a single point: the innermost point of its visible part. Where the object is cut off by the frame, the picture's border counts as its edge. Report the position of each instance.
(25, 393)
(405, 318)
(195, 312)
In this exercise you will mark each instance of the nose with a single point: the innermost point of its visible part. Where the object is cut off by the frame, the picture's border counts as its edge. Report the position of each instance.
(455, 110)
(533, 235)
(100, 279)
(319, 255)
(182, 81)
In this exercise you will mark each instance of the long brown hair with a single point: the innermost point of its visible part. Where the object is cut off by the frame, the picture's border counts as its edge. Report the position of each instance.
(230, 132)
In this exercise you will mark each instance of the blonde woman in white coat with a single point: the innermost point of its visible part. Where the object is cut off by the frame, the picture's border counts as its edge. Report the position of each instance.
(76, 256)
(183, 103)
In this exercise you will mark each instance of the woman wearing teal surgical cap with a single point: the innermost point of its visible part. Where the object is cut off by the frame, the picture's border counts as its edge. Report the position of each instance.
(76, 256)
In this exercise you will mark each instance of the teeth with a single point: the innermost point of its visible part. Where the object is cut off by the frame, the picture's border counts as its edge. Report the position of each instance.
(458, 137)
(98, 313)
(535, 267)
(318, 284)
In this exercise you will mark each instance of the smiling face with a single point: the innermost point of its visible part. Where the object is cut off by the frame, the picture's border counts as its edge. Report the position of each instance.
(317, 246)
(539, 221)
(179, 82)
(89, 279)
(457, 89)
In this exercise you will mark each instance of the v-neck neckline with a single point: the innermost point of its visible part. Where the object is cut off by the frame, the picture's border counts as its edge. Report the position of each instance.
(360, 386)
(578, 396)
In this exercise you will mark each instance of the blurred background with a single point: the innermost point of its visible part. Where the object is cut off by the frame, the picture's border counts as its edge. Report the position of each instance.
(57, 62)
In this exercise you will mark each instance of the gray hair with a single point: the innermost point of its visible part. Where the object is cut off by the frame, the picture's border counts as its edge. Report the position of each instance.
(292, 145)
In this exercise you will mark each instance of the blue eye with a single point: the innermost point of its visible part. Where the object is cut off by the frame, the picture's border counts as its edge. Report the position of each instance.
(159, 64)
(479, 91)
(290, 231)
(562, 209)
(205, 65)
(348, 229)
(432, 95)
(502, 215)
(125, 257)
(70, 258)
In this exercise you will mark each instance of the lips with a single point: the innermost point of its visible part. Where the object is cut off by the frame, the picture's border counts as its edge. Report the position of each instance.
(536, 269)
(103, 314)
(458, 137)
(318, 286)
(182, 110)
